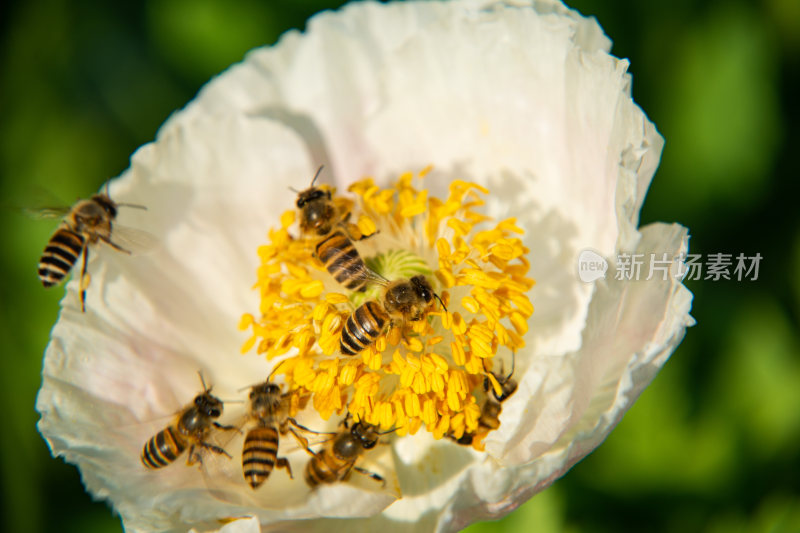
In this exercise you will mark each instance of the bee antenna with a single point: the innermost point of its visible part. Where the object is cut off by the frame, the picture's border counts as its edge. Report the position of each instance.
(108, 192)
(294, 190)
(269, 378)
(248, 386)
(440, 301)
(387, 431)
(317, 174)
(513, 361)
(135, 206)
(203, 381)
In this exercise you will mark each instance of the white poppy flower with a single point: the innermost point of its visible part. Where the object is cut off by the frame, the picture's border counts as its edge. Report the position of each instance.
(521, 98)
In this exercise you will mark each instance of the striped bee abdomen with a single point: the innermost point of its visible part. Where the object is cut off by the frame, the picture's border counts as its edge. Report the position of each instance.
(60, 255)
(259, 454)
(341, 259)
(163, 448)
(363, 327)
(325, 467)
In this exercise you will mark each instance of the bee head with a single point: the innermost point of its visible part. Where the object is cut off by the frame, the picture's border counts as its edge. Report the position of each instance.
(311, 195)
(422, 288)
(508, 385)
(108, 205)
(209, 405)
(425, 291)
(366, 435)
(264, 389)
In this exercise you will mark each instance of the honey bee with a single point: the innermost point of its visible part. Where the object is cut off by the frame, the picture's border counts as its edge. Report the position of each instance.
(341, 259)
(84, 225)
(492, 405)
(318, 212)
(321, 216)
(190, 429)
(269, 408)
(403, 300)
(337, 460)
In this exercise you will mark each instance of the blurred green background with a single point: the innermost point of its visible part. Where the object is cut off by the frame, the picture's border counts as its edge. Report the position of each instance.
(711, 446)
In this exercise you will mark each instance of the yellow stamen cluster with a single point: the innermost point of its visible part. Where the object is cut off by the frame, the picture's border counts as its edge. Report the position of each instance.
(421, 372)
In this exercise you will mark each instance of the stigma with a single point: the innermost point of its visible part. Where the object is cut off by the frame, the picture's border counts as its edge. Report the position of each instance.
(399, 313)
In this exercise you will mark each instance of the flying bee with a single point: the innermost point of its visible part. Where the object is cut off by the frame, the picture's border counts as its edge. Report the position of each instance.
(269, 409)
(403, 300)
(84, 225)
(190, 429)
(337, 460)
(489, 419)
(323, 216)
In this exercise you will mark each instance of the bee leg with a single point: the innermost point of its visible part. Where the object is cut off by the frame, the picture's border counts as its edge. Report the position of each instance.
(215, 449)
(300, 426)
(302, 440)
(372, 475)
(193, 457)
(114, 245)
(226, 428)
(283, 463)
(83, 281)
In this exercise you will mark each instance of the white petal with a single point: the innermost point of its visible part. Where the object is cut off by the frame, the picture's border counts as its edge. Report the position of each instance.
(242, 525)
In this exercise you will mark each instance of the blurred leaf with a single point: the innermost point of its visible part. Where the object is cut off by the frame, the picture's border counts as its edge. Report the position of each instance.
(723, 124)
(544, 513)
(785, 16)
(759, 382)
(203, 37)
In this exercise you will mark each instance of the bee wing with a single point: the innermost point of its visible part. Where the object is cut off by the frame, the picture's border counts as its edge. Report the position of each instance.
(223, 473)
(46, 213)
(133, 240)
(373, 277)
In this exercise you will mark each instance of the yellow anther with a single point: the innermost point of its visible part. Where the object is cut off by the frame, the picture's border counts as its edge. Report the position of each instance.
(453, 400)
(413, 344)
(459, 226)
(443, 248)
(441, 427)
(470, 304)
(434, 340)
(459, 326)
(245, 322)
(519, 322)
(366, 225)
(287, 219)
(498, 390)
(457, 350)
(348, 374)
(335, 298)
(312, 289)
(446, 278)
(429, 415)
(248, 344)
(439, 362)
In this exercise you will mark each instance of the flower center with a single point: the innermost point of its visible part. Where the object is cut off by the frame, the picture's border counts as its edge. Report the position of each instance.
(429, 366)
